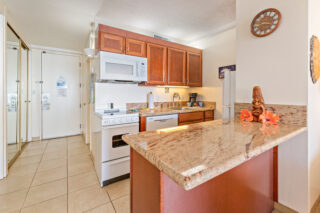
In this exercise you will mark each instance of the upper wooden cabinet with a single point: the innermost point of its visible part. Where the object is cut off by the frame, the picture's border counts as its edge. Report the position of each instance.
(169, 63)
(157, 64)
(194, 69)
(136, 48)
(176, 67)
(111, 43)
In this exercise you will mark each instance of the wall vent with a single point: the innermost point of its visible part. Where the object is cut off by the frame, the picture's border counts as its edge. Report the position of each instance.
(160, 37)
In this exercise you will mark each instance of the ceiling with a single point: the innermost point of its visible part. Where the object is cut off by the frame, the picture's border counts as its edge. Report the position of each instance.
(66, 23)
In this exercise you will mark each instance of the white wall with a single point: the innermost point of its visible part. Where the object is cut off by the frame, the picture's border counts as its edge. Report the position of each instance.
(313, 112)
(218, 50)
(120, 94)
(278, 63)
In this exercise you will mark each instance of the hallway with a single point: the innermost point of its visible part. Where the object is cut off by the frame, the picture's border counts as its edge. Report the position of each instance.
(58, 176)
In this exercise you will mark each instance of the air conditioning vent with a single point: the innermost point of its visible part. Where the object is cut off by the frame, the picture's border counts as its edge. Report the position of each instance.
(160, 37)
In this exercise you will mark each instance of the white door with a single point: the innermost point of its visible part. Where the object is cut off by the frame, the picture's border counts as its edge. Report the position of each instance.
(61, 113)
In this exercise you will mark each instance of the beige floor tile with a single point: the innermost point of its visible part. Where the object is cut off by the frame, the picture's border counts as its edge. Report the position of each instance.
(36, 145)
(52, 164)
(14, 183)
(13, 201)
(80, 158)
(122, 205)
(56, 205)
(118, 189)
(26, 170)
(56, 147)
(31, 152)
(45, 192)
(81, 181)
(54, 155)
(85, 199)
(78, 150)
(80, 168)
(76, 145)
(49, 175)
(57, 140)
(75, 139)
(106, 208)
(27, 160)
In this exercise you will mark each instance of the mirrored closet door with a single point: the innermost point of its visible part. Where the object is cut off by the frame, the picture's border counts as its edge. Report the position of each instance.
(17, 73)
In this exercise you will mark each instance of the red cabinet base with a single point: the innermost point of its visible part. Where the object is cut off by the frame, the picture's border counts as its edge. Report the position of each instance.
(248, 188)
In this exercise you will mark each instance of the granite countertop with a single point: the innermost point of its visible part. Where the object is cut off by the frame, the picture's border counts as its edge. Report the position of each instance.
(168, 111)
(193, 154)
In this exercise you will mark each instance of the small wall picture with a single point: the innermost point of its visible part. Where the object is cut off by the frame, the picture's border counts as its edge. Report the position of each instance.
(226, 68)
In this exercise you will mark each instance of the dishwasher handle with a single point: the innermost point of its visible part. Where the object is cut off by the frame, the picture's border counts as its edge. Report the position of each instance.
(164, 120)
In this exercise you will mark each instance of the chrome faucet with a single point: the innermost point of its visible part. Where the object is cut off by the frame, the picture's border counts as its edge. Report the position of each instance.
(175, 95)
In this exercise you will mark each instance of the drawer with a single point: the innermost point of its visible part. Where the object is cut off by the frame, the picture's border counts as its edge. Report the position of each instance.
(209, 114)
(191, 117)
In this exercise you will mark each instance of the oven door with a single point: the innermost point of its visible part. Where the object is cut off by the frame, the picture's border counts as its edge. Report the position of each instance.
(113, 147)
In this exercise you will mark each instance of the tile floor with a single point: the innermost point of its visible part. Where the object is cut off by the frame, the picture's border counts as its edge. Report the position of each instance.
(58, 176)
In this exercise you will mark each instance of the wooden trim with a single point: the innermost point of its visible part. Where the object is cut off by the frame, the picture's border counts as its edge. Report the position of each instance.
(142, 124)
(148, 39)
(275, 174)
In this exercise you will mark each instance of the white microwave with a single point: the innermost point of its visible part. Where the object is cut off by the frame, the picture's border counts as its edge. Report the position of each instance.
(120, 67)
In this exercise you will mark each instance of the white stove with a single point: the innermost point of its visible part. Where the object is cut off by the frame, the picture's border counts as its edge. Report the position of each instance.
(111, 153)
(118, 118)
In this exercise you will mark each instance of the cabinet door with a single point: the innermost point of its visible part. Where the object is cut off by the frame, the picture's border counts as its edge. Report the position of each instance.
(157, 64)
(176, 67)
(190, 118)
(135, 47)
(111, 43)
(194, 69)
(209, 115)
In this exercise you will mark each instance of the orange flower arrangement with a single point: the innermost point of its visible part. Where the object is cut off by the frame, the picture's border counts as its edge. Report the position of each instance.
(246, 115)
(269, 118)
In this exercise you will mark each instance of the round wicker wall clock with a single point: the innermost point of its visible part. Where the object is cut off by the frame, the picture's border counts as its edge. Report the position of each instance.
(265, 22)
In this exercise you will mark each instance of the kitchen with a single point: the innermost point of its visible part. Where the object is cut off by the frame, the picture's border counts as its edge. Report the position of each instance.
(147, 78)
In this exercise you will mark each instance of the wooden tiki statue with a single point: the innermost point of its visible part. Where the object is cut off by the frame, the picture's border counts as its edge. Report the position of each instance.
(257, 104)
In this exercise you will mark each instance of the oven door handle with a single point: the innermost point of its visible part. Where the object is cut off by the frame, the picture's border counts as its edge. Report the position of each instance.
(121, 125)
(118, 160)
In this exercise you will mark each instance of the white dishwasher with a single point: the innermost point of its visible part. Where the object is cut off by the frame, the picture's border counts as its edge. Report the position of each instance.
(161, 121)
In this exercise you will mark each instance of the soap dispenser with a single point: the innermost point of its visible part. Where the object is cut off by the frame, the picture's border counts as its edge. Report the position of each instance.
(150, 100)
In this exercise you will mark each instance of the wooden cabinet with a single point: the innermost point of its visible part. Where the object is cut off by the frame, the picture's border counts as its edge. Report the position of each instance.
(157, 64)
(111, 43)
(209, 115)
(195, 117)
(176, 67)
(190, 118)
(169, 63)
(194, 69)
(136, 48)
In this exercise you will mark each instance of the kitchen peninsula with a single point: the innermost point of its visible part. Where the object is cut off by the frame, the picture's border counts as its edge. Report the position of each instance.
(206, 167)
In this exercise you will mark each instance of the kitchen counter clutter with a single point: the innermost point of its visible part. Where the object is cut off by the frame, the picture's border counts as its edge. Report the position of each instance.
(193, 154)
